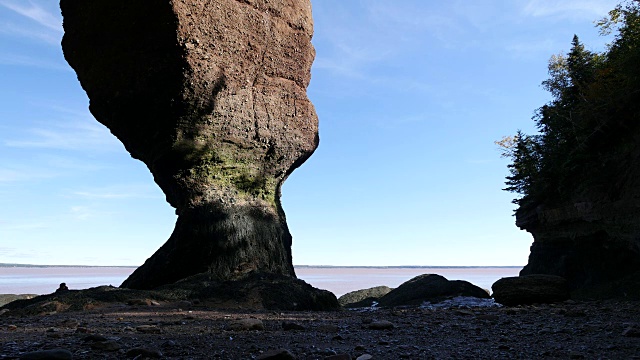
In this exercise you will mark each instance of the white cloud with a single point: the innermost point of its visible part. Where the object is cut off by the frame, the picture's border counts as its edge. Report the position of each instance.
(71, 135)
(34, 12)
(569, 9)
(129, 191)
(81, 212)
(23, 60)
(34, 34)
(9, 254)
(30, 225)
(20, 174)
(526, 49)
(413, 21)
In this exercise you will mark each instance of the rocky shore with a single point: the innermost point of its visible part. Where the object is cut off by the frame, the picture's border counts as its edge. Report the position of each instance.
(190, 330)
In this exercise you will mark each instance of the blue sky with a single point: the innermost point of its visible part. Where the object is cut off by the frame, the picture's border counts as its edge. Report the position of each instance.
(410, 94)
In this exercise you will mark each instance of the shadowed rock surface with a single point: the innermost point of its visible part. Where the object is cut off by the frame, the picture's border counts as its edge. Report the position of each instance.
(432, 288)
(211, 96)
(255, 291)
(591, 242)
(530, 289)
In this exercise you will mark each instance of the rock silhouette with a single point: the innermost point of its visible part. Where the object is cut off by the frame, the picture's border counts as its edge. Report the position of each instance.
(592, 244)
(211, 96)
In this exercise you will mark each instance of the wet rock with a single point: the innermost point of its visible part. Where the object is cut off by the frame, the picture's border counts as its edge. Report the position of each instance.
(575, 313)
(94, 337)
(185, 304)
(108, 345)
(245, 325)
(631, 331)
(280, 354)
(363, 298)
(69, 323)
(148, 329)
(338, 357)
(488, 317)
(142, 353)
(530, 289)
(328, 328)
(430, 288)
(143, 302)
(53, 354)
(381, 325)
(169, 344)
(288, 326)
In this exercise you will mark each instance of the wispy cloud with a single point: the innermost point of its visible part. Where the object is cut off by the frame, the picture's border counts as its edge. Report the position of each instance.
(34, 12)
(81, 212)
(568, 9)
(5, 250)
(70, 163)
(9, 254)
(71, 135)
(28, 226)
(20, 174)
(29, 61)
(527, 49)
(407, 22)
(128, 191)
(50, 37)
(479, 161)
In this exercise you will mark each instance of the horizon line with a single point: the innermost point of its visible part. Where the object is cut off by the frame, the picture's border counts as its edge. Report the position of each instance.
(299, 266)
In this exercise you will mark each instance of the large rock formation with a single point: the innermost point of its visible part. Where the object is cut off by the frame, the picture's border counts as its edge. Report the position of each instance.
(211, 96)
(591, 241)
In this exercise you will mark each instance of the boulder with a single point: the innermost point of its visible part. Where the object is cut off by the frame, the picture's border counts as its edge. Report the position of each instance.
(530, 289)
(211, 96)
(7, 298)
(431, 288)
(363, 298)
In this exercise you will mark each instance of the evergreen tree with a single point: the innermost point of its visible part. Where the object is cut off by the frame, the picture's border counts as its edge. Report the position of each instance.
(589, 121)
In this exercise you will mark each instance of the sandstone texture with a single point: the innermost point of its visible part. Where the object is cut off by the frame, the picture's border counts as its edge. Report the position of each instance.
(530, 289)
(431, 288)
(592, 241)
(211, 96)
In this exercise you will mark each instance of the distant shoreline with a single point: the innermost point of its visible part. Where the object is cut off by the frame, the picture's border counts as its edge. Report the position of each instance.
(2, 265)
(296, 266)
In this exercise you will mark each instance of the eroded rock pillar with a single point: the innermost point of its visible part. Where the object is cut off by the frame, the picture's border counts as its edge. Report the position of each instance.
(211, 96)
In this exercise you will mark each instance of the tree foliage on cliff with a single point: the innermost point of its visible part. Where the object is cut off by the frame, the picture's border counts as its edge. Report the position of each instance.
(586, 131)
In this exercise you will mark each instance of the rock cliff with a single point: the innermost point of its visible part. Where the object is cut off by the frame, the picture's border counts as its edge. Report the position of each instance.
(593, 240)
(211, 96)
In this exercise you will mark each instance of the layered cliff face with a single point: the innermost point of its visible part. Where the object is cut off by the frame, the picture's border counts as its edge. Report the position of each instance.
(595, 239)
(211, 96)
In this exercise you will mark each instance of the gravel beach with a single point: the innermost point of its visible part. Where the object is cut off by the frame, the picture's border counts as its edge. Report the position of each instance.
(184, 330)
